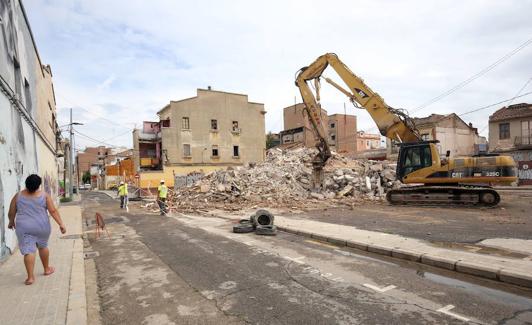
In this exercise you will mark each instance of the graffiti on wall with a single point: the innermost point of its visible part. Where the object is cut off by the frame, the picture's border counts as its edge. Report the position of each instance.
(18, 145)
(524, 172)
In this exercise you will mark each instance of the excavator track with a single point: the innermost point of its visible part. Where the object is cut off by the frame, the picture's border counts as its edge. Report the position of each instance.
(444, 195)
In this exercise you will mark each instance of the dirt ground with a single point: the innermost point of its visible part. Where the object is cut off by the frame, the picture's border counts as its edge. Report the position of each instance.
(512, 218)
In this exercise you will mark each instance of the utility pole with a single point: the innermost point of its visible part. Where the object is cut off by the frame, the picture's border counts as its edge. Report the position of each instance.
(70, 161)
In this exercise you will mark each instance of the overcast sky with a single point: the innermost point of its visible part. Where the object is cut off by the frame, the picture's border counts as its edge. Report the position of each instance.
(116, 63)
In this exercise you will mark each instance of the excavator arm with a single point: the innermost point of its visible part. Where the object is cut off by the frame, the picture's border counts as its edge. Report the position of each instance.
(392, 123)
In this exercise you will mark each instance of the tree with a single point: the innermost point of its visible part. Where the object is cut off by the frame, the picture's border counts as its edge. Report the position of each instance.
(271, 140)
(86, 177)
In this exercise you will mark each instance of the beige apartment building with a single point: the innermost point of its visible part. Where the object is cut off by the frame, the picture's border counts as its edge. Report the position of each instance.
(342, 131)
(510, 133)
(210, 131)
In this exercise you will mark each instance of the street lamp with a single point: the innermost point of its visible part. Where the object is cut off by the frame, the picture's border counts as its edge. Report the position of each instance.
(71, 155)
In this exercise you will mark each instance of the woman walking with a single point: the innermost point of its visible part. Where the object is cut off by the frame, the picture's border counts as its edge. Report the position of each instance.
(28, 216)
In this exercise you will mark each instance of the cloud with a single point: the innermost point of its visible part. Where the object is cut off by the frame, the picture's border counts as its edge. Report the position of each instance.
(138, 56)
(106, 83)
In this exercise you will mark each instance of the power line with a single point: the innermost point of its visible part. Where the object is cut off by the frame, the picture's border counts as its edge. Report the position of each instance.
(94, 140)
(488, 106)
(97, 115)
(474, 77)
(520, 90)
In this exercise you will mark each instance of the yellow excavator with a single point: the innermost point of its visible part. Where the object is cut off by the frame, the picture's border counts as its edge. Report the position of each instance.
(465, 180)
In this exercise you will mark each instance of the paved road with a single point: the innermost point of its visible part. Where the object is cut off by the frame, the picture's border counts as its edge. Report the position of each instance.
(511, 218)
(193, 270)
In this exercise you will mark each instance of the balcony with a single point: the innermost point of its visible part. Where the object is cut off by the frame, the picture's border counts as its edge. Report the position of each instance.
(523, 142)
(143, 136)
(149, 162)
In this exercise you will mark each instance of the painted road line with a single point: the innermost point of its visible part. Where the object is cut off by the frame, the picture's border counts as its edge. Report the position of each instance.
(295, 259)
(381, 290)
(315, 242)
(445, 310)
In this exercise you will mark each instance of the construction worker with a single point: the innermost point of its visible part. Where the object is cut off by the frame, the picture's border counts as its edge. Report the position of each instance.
(162, 193)
(122, 192)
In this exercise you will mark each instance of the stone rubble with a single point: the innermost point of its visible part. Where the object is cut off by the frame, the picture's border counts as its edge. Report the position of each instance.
(285, 179)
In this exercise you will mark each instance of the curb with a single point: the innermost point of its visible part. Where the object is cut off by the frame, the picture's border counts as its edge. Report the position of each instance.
(506, 275)
(77, 298)
(105, 192)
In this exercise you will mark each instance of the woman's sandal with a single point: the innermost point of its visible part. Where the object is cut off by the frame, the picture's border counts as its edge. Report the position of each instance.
(29, 282)
(51, 270)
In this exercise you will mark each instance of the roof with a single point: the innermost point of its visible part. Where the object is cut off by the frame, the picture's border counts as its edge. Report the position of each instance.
(511, 112)
(205, 90)
(436, 118)
(432, 118)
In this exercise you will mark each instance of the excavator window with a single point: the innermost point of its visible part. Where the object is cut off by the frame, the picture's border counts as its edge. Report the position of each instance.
(414, 158)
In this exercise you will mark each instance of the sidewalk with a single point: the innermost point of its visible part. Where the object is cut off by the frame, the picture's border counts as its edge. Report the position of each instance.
(510, 270)
(55, 299)
(506, 269)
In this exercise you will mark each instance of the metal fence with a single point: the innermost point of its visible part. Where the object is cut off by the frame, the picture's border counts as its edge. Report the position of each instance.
(186, 180)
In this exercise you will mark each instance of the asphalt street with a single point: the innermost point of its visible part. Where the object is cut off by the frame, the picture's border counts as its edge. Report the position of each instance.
(456, 224)
(194, 270)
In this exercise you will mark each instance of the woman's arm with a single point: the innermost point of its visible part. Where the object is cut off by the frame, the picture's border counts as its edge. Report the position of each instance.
(12, 212)
(54, 213)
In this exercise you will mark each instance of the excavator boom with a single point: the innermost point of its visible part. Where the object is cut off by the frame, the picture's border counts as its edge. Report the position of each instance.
(445, 181)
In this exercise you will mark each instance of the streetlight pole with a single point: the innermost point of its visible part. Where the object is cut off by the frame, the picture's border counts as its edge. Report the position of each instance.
(70, 158)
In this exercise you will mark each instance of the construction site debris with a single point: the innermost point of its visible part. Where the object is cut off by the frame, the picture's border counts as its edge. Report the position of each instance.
(285, 179)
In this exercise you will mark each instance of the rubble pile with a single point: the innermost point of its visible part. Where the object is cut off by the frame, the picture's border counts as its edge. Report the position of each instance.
(285, 179)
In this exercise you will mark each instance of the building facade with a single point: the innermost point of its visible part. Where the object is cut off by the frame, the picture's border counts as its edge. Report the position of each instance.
(28, 128)
(147, 146)
(342, 131)
(453, 134)
(368, 141)
(510, 133)
(297, 127)
(210, 131)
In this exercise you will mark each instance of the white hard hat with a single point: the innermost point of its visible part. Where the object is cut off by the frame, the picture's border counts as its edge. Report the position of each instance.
(121, 183)
(162, 180)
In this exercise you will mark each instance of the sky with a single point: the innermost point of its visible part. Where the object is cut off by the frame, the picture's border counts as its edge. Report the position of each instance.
(116, 63)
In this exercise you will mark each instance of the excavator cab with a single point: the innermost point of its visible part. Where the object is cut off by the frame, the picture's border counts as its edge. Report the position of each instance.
(414, 156)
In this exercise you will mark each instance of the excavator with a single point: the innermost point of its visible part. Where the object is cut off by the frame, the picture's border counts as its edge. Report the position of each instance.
(426, 178)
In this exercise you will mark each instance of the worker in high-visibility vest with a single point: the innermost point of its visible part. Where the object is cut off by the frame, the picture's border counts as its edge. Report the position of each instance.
(122, 192)
(162, 193)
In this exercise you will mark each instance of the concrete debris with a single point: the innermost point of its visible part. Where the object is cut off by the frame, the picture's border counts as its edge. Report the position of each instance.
(285, 179)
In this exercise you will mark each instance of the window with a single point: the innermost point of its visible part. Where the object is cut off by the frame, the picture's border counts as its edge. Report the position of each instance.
(236, 151)
(215, 151)
(367, 143)
(504, 131)
(415, 158)
(425, 137)
(332, 125)
(165, 123)
(526, 133)
(185, 123)
(214, 124)
(186, 150)
(333, 137)
(18, 78)
(235, 126)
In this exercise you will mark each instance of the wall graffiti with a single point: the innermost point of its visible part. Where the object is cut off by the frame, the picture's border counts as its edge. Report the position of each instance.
(22, 150)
